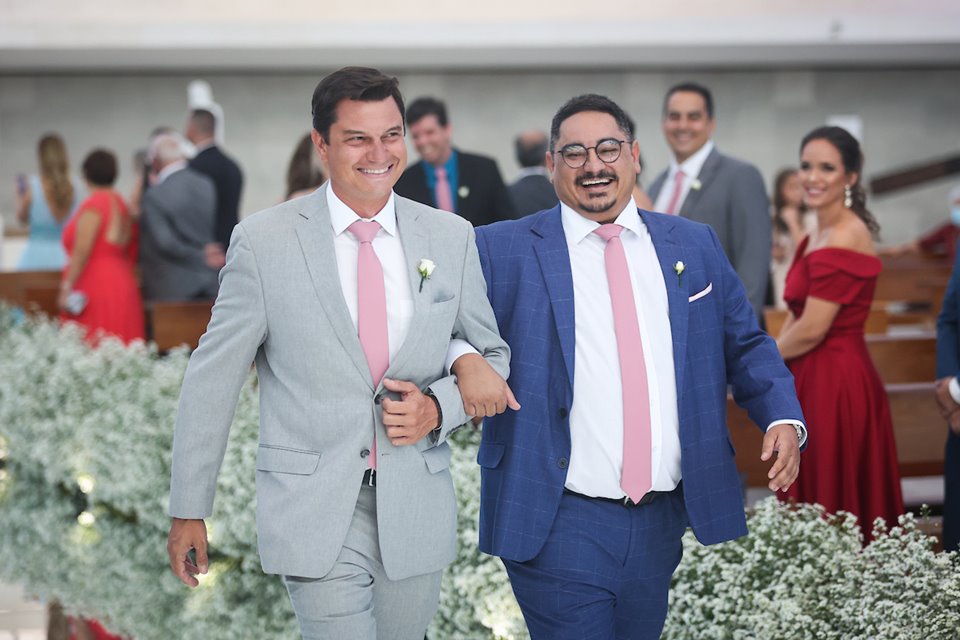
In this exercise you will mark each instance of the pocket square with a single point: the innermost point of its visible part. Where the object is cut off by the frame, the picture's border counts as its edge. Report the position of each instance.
(697, 296)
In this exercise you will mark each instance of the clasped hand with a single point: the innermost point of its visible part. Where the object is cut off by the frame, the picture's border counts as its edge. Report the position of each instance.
(949, 409)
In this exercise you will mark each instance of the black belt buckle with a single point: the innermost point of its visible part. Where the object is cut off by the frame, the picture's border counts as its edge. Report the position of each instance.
(370, 478)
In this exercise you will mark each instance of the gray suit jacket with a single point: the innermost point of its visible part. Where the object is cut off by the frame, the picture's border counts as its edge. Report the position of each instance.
(733, 200)
(281, 305)
(177, 221)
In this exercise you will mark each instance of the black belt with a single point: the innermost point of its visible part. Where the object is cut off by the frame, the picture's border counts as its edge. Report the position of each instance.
(649, 497)
(370, 478)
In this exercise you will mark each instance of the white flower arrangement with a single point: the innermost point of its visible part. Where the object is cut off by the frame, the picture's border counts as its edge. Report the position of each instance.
(90, 431)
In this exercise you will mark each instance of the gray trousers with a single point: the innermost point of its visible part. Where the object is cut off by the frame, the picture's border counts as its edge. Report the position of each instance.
(355, 599)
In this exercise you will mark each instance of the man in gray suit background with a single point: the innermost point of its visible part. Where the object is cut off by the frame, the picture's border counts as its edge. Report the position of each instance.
(704, 185)
(176, 223)
(532, 191)
(347, 301)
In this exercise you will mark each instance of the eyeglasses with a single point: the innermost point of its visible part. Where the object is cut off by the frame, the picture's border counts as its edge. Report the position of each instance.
(575, 155)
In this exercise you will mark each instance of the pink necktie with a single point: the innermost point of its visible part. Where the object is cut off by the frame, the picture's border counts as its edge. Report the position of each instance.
(371, 308)
(444, 193)
(677, 188)
(636, 477)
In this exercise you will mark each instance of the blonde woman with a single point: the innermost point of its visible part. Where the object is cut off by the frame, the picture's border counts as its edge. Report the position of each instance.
(44, 202)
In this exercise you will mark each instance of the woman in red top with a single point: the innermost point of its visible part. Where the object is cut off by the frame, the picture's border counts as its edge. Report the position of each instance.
(99, 289)
(851, 461)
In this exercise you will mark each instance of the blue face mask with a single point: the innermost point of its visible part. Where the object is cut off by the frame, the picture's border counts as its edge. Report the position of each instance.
(955, 214)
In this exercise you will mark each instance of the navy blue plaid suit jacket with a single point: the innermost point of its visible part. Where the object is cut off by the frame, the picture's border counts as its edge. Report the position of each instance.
(524, 454)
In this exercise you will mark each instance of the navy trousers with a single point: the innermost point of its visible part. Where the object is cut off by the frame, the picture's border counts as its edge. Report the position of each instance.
(604, 572)
(951, 493)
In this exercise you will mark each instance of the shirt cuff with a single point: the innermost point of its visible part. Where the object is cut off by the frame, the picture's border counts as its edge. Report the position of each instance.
(803, 438)
(456, 349)
(954, 388)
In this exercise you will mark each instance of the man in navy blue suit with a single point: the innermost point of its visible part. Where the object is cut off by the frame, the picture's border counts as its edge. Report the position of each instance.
(587, 521)
(948, 397)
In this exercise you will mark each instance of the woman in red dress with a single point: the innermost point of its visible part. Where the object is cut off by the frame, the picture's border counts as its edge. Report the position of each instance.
(851, 461)
(99, 289)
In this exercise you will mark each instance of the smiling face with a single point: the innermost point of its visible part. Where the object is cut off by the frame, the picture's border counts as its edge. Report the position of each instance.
(597, 190)
(686, 124)
(365, 153)
(823, 175)
(432, 139)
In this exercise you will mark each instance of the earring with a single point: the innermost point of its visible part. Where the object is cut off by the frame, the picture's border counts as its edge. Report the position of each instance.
(847, 196)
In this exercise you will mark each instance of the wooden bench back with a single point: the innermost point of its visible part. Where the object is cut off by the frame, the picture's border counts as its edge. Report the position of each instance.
(178, 323)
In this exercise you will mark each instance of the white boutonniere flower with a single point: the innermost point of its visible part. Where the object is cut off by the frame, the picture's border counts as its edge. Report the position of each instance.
(679, 267)
(463, 191)
(696, 185)
(425, 269)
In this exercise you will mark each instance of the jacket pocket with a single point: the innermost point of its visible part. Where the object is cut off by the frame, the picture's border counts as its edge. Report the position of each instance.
(490, 454)
(280, 460)
(437, 458)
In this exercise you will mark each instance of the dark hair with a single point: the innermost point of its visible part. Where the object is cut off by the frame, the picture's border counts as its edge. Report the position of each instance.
(778, 200)
(590, 102)
(303, 171)
(691, 87)
(204, 121)
(427, 106)
(100, 168)
(530, 153)
(852, 158)
(350, 83)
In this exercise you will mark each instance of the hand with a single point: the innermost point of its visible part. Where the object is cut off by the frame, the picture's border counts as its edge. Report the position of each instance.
(62, 298)
(214, 255)
(411, 417)
(954, 421)
(483, 391)
(184, 536)
(781, 438)
(944, 400)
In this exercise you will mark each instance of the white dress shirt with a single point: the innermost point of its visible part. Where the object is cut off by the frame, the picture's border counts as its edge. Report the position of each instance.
(596, 417)
(389, 250)
(691, 168)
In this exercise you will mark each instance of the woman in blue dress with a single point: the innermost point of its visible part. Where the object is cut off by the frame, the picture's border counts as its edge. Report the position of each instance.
(45, 202)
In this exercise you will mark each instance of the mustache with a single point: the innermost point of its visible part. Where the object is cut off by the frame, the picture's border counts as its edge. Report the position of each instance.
(607, 175)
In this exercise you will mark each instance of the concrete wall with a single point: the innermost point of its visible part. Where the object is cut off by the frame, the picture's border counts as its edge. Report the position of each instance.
(909, 116)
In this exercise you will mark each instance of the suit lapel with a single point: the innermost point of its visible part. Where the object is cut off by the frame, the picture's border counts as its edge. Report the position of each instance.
(416, 246)
(669, 252)
(707, 173)
(554, 259)
(315, 235)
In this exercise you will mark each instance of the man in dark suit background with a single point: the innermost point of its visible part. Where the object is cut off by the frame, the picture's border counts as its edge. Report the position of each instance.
(948, 397)
(227, 177)
(532, 191)
(704, 185)
(447, 178)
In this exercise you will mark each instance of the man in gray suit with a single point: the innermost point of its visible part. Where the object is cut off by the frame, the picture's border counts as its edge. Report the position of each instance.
(704, 185)
(176, 224)
(355, 503)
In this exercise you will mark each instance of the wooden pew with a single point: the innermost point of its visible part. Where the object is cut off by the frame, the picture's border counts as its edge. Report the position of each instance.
(178, 323)
(914, 279)
(31, 290)
(919, 430)
(878, 320)
(904, 359)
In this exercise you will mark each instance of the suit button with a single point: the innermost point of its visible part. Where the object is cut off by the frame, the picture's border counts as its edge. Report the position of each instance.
(562, 463)
(562, 413)
(377, 398)
(365, 453)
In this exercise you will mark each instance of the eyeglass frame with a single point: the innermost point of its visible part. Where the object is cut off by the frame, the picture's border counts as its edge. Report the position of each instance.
(586, 155)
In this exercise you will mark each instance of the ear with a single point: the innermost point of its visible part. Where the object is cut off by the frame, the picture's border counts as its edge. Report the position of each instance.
(635, 155)
(550, 164)
(319, 144)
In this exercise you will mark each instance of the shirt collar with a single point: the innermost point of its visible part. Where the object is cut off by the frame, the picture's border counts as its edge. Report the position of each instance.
(576, 227)
(170, 169)
(694, 164)
(342, 216)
